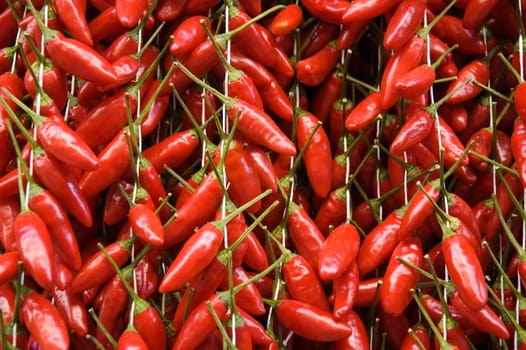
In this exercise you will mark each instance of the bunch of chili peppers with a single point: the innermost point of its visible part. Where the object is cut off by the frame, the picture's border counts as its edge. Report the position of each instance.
(261, 174)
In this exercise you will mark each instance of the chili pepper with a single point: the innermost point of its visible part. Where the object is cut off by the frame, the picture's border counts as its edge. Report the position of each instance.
(199, 289)
(520, 106)
(419, 209)
(8, 266)
(116, 206)
(358, 340)
(484, 319)
(44, 322)
(518, 148)
(421, 333)
(339, 251)
(459, 208)
(15, 85)
(106, 24)
(331, 212)
(395, 327)
(403, 24)
(200, 323)
(156, 111)
(209, 191)
(115, 299)
(305, 235)
(350, 33)
(98, 269)
(72, 309)
(364, 113)
(193, 7)
(317, 156)
(276, 100)
(146, 224)
(248, 297)
(313, 70)
(310, 322)
(476, 12)
(130, 12)
(73, 16)
(113, 160)
(416, 82)
(286, 20)
(331, 11)
(262, 166)
(414, 131)
(131, 339)
(399, 279)
(476, 70)
(9, 209)
(326, 96)
(188, 34)
(168, 10)
(303, 283)
(367, 9)
(505, 203)
(450, 29)
(464, 268)
(345, 290)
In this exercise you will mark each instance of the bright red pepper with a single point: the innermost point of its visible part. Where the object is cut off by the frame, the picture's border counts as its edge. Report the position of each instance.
(339, 251)
(419, 209)
(72, 13)
(287, 20)
(518, 148)
(345, 290)
(359, 339)
(146, 224)
(331, 11)
(313, 70)
(476, 70)
(72, 308)
(364, 113)
(414, 131)
(403, 24)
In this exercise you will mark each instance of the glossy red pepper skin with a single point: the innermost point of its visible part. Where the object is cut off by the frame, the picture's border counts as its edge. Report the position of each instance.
(54, 82)
(113, 161)
(422, 334)
(146, 224)
(72, 308)
(332, 211)
(519, 101)
(419, 209)
(200, 323)
(465, 270)
(310, 322)
(115, 300)
(209, 191)
(403, 24)
(414, 131)
(505, 203)
(451, 30)
(518, 148)
(8, 266)
(318, 155)
(359, 339)
(350, 33)
(263, 167)
(150, 326)
(72, 13)
(379, 243)
(169, 10)
(476, 70)
(98, 269)
(303, 283)
(249, 297)
(416, 82)
(15, 85)
(35, 247)
(313, 70)
(339, 251)
(476, 12)
(80, 60)
(367, 9)
(197, 252)
(131, 339)
(44, 322)
(453, 147)
(130, 12)
(345, 291)
(305, 235)
(364, 113)
(188, 34)
(287, 20)
(400, 279)
(331, 11)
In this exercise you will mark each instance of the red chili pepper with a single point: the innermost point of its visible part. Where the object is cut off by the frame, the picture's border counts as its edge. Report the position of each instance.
(520, 105)
(350, 33)
(106, 24)
(287, 20)
(131, 339)
(416, 82)
(197, 252)
(359, 339)
(303, 283)
(421, 333)
(200, 323)
(72, 308)
(331, 11)
(339, 251)
(464, 268)
(44, 322)
(249, 297)
(518, 148)
(8, 266)
(188, 34)
(169, 10)
(115, 300)
(404, 23)
(54, 82)
(450, 29)
(314, 69)
(345, 291)
(73, 16)
(331, 212)
(327, 94)
(476, 70)
(379, 243)
(414, 131)
(15, 85)
(367, 9)
(317, 156)
(400, 279)
(476, 12)
(364, 113)
(505, 203)
(146, 224)
(9, 209)
(98, 269)
(310, 322)
(305, 235)
(209, 191)
(419, 209)
(130, 12)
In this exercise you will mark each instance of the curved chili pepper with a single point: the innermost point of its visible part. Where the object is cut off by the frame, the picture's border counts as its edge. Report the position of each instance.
(131, 339)
(450, 29)
(168, 10)
(130, 12)
(72, 308)
(414, 131)
(303, 283)
(98, 269)
(367, 9)
(197, 252)
(44, 322)
(116, 206)
(399, 279)
(209, 191)
(9, 209)
(73, 16)
(156, 111)
(262, 166)
(54, 82)
(106, 24)
(146, 224)
(345, 290)
(350, 33)
(416, 82)
(257, 332)
(188, 34)
(364, 113)
(419, 209)
(476, 70)
(113, 161)
(403, 24)
(305, 235)
(249, 297)
(114, 302)
(520, 105)
(331, 212)
(505, 204)
(8, 266)
(465, 269)
(379, 243)
(317, 156)
(286, 20)
(338, 252)
(326, 96)
(331, 11)
(313, 70)
(200, 323)
(15, 85)
(359, 339)
(518, 148)
(310, 322)
(421, 333)
(35, 247)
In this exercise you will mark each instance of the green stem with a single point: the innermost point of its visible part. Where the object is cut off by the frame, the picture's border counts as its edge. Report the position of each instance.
(107, 334)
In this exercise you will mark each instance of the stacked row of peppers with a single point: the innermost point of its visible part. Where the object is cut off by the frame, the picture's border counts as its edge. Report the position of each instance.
(261, 174)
